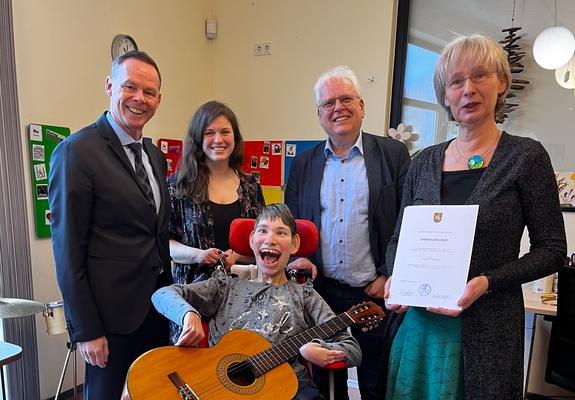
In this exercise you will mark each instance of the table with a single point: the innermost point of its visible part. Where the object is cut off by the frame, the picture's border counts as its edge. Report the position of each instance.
(533, 304)
(8, 353)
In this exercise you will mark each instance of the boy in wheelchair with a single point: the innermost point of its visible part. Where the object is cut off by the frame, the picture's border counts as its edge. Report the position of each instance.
(269, 304)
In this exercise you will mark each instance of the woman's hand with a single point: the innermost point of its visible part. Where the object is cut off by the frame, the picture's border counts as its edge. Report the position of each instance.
(320, 356)
(192, 330)
(210, 256)
(474, 289)
(230, 258)
(398, 308)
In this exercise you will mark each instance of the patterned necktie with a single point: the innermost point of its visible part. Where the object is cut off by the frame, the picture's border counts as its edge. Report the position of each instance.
(141, 171)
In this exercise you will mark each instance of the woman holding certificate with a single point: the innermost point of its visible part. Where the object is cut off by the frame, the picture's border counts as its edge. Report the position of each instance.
(477, 352)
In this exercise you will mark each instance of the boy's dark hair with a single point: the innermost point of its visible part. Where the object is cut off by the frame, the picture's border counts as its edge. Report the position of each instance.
(281, 211)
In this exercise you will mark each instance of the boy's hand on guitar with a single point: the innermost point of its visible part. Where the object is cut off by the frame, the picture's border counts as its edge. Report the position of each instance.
(192, 331)
(320, 356)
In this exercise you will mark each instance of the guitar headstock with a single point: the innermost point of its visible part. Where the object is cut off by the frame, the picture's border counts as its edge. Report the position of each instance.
(367, 314)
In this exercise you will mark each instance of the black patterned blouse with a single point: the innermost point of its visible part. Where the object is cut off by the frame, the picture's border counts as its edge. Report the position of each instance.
(192, 224)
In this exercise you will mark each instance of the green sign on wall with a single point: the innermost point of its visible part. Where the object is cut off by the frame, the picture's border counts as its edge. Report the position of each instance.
(43, 140)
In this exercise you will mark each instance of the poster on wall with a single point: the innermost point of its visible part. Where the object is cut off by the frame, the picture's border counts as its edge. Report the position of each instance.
(42, 140)
(172, 149)
(263, 159)
(292, 149)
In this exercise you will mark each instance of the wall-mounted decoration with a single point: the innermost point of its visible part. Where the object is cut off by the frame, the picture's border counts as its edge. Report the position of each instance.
(172, 149)
(263, 159)
(42, 140)
(292, 149)
(404, 134)
(566, 187)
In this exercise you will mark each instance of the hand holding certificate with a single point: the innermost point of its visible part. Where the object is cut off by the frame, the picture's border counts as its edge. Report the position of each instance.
(433, 256)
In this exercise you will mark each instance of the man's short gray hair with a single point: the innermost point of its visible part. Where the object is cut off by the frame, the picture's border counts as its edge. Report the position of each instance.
(341, 71)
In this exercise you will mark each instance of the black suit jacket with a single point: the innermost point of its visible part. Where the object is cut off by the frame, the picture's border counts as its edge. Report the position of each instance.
(109, 245)
(386, 163)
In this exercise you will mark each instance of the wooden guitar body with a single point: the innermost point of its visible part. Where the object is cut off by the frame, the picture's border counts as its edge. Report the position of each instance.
(210, 372)
(243, 365)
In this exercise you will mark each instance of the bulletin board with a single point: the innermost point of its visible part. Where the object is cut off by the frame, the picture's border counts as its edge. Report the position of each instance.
(292, 149)
(263, 159)
(172, 149)
(43, 139)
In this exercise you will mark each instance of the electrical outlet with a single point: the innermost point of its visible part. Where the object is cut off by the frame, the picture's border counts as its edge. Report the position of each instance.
(262, 49)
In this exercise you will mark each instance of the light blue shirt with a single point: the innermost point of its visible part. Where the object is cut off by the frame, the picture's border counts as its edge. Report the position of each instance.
(344, 232)
(125, 140)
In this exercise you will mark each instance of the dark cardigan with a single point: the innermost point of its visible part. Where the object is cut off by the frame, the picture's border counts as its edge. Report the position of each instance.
(517, 190)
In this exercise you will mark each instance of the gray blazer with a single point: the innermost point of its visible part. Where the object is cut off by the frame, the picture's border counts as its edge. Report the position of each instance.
(109, 245)
(517, 190)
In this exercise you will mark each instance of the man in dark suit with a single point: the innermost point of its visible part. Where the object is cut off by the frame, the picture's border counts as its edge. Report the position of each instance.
(350, 186)
(110, 207)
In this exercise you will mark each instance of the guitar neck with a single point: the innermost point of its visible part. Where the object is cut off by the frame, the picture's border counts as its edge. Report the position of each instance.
(289, 348)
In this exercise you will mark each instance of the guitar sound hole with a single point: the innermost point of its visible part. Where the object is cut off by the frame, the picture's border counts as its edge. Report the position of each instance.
(240, 373)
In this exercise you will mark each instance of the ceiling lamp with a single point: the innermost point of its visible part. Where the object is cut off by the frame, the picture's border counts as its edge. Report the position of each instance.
(554, 46)
(565, 76)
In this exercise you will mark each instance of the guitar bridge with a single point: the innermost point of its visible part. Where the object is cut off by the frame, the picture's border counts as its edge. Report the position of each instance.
(184, 389)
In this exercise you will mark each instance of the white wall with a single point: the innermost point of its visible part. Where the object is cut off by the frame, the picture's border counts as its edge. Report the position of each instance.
(63, 57)
(273, 95)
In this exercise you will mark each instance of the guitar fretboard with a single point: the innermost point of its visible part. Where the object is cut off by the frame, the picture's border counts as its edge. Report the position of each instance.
(289, 348)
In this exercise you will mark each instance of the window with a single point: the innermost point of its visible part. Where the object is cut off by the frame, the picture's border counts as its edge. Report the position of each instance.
(419, 106)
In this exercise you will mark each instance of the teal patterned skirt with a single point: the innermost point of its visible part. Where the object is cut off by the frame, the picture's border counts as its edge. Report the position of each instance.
(426, 358)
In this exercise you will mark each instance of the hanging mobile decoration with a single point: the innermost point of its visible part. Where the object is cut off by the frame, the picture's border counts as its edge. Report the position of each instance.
(514, 56)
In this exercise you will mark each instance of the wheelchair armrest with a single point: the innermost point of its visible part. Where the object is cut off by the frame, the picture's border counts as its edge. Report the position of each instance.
(336, 365)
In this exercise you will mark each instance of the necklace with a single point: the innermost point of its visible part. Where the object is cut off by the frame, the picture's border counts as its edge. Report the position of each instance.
(476, 161)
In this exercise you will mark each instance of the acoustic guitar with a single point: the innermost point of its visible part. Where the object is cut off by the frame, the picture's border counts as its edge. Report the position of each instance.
(242, 365)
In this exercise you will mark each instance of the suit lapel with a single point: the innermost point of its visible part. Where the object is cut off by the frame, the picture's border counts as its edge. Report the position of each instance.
(373, 163)
(317, 167)
(112, 139)
(158, 173)
(117, 148)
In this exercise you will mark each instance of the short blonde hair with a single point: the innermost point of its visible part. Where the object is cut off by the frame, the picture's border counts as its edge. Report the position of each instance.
(481, 50)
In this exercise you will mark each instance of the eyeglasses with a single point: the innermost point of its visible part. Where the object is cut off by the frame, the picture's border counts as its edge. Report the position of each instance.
(478, 78)
(345, 101)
